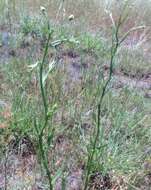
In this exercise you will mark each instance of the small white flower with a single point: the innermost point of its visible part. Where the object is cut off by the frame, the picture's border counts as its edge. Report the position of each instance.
(43, 9)
(71, 17)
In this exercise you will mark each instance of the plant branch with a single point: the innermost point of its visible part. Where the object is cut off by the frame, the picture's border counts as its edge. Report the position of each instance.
(40, 133)
(114, 48)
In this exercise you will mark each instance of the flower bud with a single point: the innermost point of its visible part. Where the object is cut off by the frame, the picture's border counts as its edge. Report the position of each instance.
(71, 17)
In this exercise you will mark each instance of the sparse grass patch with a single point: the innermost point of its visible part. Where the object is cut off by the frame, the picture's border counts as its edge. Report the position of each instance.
(133, 62)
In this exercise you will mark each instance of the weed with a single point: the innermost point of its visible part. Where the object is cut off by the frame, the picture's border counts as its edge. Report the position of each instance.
(116, 42)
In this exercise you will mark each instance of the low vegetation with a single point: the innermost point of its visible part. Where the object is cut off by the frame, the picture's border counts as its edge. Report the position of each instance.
(75, 95)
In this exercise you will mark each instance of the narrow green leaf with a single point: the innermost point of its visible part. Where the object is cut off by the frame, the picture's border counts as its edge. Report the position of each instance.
(45, 75)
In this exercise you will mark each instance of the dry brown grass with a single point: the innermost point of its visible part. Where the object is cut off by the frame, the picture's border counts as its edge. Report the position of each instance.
(93, 12)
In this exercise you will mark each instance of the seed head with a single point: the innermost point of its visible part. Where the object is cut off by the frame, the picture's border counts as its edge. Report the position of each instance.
(43, 9)
(71, 17)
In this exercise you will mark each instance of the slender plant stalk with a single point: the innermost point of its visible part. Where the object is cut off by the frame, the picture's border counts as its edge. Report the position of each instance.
(41, 128)
(116, 42)
(40, 132)
(41, 74)
(5, 171)
(114, 48)
(45, 162)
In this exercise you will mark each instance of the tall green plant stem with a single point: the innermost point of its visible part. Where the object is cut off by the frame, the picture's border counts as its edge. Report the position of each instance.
(116, 42)
(41, 74)
(41, 133)
(114, 48)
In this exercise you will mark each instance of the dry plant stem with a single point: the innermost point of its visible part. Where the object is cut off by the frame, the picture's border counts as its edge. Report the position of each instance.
(59, 9)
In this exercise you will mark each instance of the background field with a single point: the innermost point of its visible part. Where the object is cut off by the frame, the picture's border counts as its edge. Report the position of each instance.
(80, 57)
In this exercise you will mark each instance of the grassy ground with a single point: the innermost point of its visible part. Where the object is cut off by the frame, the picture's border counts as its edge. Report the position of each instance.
(122, 158)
